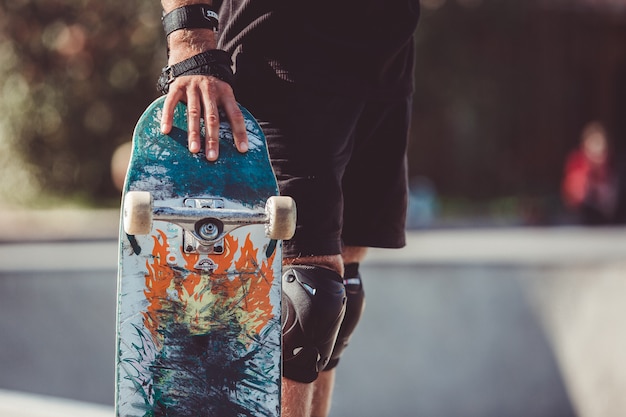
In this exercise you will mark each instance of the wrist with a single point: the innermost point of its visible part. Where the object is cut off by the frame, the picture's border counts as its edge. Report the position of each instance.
(186, 43)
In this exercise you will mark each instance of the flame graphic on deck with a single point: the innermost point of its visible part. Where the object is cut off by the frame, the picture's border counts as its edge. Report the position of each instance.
(211, 330)
(204, 299)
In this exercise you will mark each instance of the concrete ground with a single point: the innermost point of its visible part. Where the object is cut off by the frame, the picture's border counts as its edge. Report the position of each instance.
(20, 404)
(481, 322)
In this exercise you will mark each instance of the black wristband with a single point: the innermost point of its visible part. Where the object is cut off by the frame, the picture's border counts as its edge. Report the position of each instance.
(195, 16)
(215, 63)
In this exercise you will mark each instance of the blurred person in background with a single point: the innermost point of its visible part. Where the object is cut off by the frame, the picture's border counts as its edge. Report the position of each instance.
(590, 184)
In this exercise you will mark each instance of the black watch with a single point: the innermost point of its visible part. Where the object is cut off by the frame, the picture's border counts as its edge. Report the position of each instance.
(215, 62)
(195, 16)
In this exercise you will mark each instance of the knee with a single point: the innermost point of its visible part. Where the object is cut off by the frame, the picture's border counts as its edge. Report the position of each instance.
(355, 304)
(314, 303)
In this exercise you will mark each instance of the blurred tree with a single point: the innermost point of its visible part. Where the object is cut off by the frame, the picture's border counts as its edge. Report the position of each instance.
(74, 78)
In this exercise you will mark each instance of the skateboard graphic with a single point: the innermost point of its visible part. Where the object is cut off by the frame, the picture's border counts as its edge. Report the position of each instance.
(198, 308)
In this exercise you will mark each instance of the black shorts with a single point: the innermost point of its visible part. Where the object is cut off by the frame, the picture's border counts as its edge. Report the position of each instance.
(342, 159)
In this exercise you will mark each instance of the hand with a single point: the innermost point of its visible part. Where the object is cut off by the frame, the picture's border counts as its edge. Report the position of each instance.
(203, 95)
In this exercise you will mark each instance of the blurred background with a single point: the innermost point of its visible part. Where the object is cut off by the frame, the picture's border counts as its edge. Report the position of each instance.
(504, 90)
(507, 300)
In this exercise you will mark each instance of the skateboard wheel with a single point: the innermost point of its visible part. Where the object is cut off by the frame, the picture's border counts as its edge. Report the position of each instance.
(138, 212)
(281, 212)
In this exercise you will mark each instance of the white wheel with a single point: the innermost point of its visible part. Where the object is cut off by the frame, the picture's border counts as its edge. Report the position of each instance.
(138, 212)
(281, 212)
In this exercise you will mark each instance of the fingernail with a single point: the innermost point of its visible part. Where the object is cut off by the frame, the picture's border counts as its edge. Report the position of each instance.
(243, 147)
(211, 154)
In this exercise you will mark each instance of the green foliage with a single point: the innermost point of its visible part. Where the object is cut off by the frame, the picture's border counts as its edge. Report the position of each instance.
(74, 78)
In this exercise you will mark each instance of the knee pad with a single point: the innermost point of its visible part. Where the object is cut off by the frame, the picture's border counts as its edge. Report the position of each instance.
(355, 304)
(313, 307)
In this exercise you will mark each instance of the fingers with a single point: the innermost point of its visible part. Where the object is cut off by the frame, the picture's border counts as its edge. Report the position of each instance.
(211, 122)
(185, 89)
(237, 124)
(194, 111)
(172, 99)
(203, 96)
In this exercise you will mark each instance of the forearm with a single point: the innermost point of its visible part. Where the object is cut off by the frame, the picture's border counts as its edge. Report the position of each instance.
(185, 43)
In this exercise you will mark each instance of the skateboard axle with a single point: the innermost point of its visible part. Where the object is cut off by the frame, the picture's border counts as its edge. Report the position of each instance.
(208, 224)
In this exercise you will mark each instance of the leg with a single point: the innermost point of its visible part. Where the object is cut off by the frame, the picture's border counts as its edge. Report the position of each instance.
(353, 254)
(325, 383)
(381, 225)
(323, 147)
(322, 394)
(298, 397)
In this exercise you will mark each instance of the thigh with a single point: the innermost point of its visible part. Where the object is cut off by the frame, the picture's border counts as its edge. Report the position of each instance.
(309, 136)
(309, 153)
(375, 181)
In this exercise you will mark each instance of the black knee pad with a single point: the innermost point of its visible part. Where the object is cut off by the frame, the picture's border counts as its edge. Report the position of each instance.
(313, 307)
(355, 305)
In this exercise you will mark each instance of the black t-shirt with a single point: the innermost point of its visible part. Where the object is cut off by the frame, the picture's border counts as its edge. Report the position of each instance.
(354, 46)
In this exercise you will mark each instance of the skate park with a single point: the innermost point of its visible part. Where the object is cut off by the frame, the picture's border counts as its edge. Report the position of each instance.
(515, 321)
(476, 318)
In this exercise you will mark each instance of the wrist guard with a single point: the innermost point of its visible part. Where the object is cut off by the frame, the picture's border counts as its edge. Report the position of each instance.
(215, 63)
(195, 16)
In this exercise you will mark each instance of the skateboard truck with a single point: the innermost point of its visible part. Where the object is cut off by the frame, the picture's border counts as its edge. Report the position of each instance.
(207, 235)
(205, 221)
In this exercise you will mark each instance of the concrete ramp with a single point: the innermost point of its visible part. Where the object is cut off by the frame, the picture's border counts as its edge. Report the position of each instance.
(461, 323)
(18, 404)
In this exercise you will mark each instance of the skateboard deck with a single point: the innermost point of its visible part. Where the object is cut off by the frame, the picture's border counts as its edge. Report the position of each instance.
(198, 308)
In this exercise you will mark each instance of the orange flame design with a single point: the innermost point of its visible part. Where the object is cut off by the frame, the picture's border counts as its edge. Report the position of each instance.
(259, 295)
(158, 280)
(210, 300)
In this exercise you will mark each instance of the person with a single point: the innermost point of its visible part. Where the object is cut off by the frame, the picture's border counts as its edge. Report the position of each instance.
(589, 185)
(331, 85)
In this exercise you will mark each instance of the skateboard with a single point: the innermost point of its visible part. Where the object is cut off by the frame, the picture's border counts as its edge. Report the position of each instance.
(198, 307)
